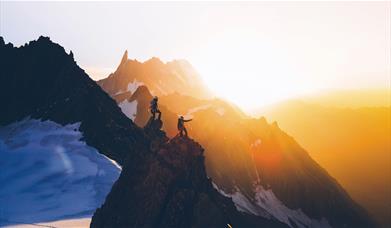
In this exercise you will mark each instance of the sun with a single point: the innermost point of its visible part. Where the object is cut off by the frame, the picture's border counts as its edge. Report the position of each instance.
(249, 71)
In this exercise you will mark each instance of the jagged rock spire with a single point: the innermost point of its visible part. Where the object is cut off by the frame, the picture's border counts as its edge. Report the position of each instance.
(124, 58)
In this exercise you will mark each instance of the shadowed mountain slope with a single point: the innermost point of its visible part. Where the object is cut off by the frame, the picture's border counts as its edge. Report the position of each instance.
(40, 80)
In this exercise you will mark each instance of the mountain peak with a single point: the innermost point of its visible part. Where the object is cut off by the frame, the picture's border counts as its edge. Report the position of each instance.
(124, 57)
(3, 44)
(44, 39)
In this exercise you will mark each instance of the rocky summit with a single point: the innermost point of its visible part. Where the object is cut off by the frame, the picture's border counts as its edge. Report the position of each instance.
(170, 189)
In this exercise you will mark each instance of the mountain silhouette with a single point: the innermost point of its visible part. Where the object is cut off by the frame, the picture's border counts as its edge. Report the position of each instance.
(50, 110)
(161, 78)
(40, 80)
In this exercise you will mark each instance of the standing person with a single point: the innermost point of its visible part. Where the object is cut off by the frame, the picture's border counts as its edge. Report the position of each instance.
(154, 107)
(181, 126)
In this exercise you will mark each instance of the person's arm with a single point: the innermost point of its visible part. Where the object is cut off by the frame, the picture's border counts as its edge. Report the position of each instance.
(188, 120)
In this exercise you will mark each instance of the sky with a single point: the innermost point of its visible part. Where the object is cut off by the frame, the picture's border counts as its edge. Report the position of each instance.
(251, 53)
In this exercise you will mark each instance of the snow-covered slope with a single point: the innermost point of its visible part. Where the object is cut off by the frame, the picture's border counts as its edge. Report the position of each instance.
(267, 205)
(129, 108)
(47, 173)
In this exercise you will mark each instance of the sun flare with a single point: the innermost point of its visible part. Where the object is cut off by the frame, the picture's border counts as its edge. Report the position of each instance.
(249, 71)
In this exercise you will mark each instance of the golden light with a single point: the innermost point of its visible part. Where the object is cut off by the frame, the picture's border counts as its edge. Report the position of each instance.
(249, 71)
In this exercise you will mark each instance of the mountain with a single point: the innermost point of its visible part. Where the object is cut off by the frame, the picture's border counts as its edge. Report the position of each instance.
(249, 157)
(56, 129)
(355, 146)
(261, 168)
(253, 173)
(185, 196)
(161, 78)
(41, 81)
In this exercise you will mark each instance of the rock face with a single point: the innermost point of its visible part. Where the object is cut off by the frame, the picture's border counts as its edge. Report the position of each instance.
(170, 189)
(161, 78)
(40, 80)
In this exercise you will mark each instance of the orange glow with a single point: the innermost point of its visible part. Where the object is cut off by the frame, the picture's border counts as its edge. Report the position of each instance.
(267, 156)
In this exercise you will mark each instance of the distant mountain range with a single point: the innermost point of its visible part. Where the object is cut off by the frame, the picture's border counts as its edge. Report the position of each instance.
(355, 146)
(236, 170)
(161, 78)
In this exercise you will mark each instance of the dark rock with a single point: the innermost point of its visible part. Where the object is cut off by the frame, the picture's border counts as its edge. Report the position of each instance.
(171, 189)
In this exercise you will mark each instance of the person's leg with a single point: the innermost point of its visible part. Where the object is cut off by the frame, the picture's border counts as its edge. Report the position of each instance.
(153, 113)
(185, 131)
(160, 114)
(180, 133)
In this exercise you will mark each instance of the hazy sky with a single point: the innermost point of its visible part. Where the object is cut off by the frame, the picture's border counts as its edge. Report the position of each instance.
(251, 53)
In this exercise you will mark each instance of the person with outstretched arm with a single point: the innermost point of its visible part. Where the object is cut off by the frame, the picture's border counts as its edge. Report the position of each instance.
(181, 125)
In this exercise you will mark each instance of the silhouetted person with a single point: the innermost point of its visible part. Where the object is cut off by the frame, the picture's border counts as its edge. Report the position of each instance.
(154, 108)
(181, 126)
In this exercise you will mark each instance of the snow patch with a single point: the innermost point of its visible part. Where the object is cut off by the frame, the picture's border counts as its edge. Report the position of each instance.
(132, 86)
(242, 203)
(47, 173)
(129, 108)
(267, 205)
